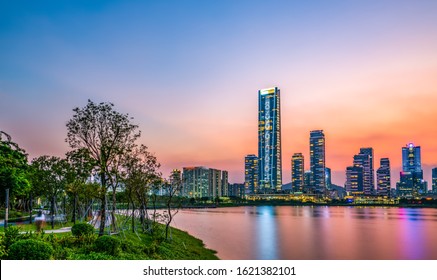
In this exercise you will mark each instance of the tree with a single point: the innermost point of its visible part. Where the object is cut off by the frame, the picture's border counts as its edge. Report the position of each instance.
(171, 189)
(139, 176)
(49, 178)
(106, 134)
(81, 167)
(13, 169)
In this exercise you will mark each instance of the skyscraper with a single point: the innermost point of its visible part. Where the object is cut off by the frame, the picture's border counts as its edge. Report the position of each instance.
(225, 184)
(434, 180)
(355, 180)
(328, 177)
(215, 183)
(317, 160)
(363, 160)
(371, 175)
(411, 177)
(196, 182)
(383, 177)
(269, 140)
(297, 172)
(251, 173)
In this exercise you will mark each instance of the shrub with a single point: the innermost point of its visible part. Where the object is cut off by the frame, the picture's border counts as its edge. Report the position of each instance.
(30, 249)
(82, 229)
(12, 234)
(108, 244)
(3, 252)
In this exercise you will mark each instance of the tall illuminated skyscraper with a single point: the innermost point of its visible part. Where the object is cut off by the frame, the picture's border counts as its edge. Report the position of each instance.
(251, 174)
(317, 160)
(371, 174)
(383, 178)
(297, 172)
(269, 140)
(411, 182)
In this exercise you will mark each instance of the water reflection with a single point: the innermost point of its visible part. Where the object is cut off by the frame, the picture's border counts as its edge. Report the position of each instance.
(288, 232)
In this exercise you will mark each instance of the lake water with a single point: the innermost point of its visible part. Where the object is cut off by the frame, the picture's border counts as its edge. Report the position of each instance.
(314, 233)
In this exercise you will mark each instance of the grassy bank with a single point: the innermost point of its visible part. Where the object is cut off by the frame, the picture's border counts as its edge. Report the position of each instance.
(126, 245)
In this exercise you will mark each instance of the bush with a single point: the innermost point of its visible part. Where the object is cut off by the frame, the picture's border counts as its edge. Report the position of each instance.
(82, 229)
(3, 252)
(30, 249)
(12, 234)
(108, 244)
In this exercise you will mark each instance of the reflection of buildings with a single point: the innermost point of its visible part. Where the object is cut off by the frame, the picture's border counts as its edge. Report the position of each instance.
(411, 182)
(297, 172)
(204, 182)
(383, 178)
(251, 173)
(269, 140)
(317, 160)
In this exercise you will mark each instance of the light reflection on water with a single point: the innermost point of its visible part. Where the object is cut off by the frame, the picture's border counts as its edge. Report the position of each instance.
(288, 232)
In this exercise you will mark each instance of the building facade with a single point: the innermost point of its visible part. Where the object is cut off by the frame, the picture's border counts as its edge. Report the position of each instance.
(411, 183)
(317, 161)
(251, 174)
(355, 180)
(269, 140)
(363, 160)
(434, 180)
(203, 182)
(383, 178)
(371, 172)
(297, 172)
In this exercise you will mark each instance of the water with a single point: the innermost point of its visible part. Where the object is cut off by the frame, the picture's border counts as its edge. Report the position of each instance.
(314, 233)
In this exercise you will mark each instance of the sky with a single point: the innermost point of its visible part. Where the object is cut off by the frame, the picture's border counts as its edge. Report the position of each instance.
(189, 72)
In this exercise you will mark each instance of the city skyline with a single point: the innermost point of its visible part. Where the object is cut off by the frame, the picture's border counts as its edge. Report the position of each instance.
(365, 83)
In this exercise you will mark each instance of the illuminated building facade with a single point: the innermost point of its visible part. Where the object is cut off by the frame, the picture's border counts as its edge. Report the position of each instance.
(383, 178)
(297, 172)
(328, 177)
(363, 160)
(434, 180)
(251, 174)
(269, 140)
(204, 182)
(317, 161)
(411, 182)
(355, 180)
(308, 180)
(370, 188)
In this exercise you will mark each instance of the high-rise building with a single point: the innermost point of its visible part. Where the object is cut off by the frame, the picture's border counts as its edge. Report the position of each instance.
(204, 182)
(308, 181)
(269, 140)
(215, 183)
(328, 177)
(225, 184)
(297, 172)
(236, 190)
(371, 174)
(317, 161)
(363, 160)
(355, 180)
(411, 182)
(434, 180)
(251, 173)
(195, 182)
(383, 178)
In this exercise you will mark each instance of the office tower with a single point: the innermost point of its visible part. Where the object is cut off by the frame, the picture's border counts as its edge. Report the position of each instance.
(411, 183)
(363, 160)
(251, 174)
(317, 160)
(269, 140)
(195, 182)
(383, 178)
(355, 180)
(371, 175)
(328, 181)
(434, 180)
(308, 180)
(225, 184)
(297, 172)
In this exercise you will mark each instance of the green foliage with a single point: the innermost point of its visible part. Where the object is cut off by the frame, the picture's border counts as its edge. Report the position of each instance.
(12, 234)
(3, 252)
(81, 229)
(13, 169)
(108, 244)
(92, 256)
(30, 249)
